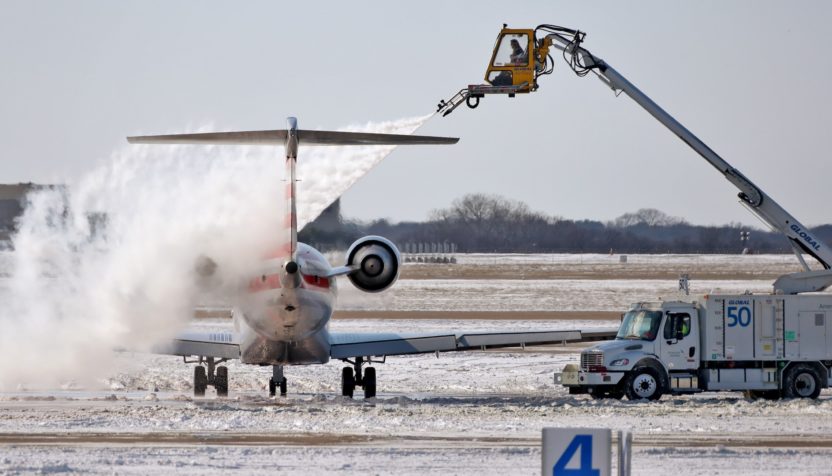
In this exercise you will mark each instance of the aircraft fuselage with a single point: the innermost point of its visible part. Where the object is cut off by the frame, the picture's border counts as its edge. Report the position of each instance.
(285, 315)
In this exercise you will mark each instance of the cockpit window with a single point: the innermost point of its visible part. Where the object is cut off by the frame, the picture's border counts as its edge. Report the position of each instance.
(640, 325)
(513, 50)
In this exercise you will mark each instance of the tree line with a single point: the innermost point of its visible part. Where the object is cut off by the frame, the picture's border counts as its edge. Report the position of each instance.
(481, 223)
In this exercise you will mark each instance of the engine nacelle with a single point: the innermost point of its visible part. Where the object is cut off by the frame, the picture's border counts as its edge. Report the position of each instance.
(378, 262)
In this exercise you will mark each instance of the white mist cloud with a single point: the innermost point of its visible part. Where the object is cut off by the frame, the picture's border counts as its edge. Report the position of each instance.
(325, 173)
(76, 290)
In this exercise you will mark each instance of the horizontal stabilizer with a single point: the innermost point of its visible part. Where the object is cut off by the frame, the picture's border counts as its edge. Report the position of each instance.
(366, 138)
(278, 137)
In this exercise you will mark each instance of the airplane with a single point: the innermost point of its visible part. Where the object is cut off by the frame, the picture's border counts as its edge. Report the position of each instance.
(283, 317)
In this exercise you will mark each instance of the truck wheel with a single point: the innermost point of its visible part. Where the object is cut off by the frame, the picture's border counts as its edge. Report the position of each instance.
(801, 381)
(643, 383)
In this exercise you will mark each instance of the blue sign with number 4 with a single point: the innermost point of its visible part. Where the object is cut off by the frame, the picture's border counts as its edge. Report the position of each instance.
(576, 452)
(582, 443)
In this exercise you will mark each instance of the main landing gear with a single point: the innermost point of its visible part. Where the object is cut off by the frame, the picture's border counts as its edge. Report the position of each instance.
(210, 374)
(277, 380)
(352, 377)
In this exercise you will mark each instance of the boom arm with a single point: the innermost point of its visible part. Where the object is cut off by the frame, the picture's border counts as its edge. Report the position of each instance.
(583, 62)
(801, 239)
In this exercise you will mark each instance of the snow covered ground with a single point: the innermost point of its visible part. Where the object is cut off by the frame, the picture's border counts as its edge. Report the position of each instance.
(400, 460)
(458, 414)
(604, 266)
(660, 260)
(531, 295)
(478, 412)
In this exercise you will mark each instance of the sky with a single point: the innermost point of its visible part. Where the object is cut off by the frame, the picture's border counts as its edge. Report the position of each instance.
(750, 78)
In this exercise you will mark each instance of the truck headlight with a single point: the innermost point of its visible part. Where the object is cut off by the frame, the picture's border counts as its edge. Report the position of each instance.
(619, 362)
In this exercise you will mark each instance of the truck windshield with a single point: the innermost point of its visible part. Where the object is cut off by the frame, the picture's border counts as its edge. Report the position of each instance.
(640, 325)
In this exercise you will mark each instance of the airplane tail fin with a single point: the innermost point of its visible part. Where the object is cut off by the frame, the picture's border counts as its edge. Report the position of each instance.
(291, 223)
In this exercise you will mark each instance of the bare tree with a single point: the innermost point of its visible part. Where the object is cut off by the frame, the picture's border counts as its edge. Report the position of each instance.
(649, 217)
(487, 222)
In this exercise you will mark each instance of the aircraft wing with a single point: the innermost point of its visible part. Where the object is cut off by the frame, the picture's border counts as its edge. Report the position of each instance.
(348, 345)
(220, 345)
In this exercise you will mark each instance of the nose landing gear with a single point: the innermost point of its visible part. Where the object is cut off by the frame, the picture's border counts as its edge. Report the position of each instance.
(277, 380)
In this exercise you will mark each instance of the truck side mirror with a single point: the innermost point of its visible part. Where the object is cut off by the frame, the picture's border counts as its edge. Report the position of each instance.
(679, 334)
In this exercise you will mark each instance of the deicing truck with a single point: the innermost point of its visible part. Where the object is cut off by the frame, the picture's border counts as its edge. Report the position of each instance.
(766, 345)
(769, 345)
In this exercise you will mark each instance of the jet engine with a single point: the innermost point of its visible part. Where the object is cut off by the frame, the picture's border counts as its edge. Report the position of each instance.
(377, 262)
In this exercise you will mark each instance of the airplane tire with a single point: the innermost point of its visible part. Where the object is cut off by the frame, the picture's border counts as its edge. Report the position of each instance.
(221, 381)
(370, 382)
(283, 387)
(801, 381)
(272, 387)
(347, 382)
(200, 381)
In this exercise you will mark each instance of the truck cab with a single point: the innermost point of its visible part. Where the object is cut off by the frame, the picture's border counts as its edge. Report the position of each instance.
(654, 342)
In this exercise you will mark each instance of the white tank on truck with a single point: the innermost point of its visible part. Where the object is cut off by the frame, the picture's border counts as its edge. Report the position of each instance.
(767, 345)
